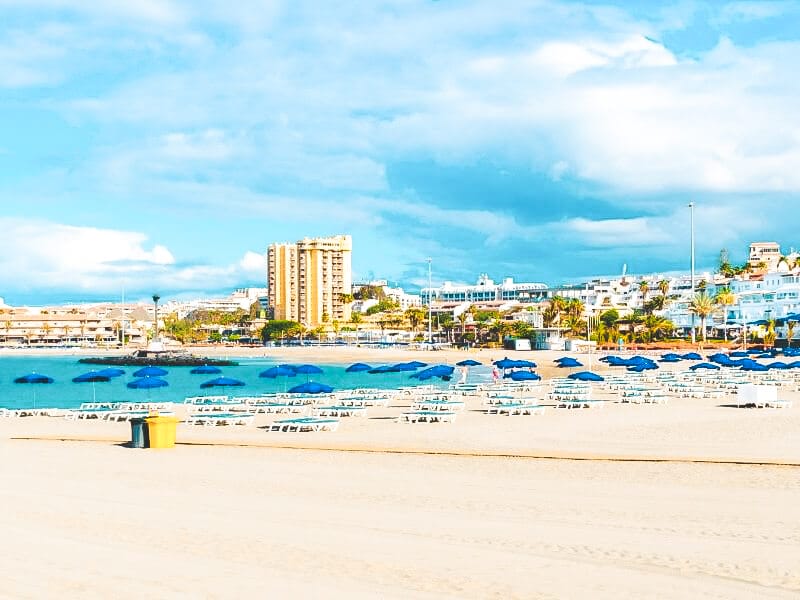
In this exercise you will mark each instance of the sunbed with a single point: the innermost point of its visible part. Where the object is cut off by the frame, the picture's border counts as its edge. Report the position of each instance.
(303, 424)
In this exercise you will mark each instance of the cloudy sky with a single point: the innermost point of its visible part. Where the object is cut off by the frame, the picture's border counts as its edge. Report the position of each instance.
(162, 145)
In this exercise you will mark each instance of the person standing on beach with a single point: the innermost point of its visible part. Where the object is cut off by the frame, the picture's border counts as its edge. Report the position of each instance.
(464, 374)
(495, 374)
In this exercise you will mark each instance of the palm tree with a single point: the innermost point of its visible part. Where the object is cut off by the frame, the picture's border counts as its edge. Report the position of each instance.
(549, 316)
(462, 319)
(769, 336)
(724, 298)
(663, 287)
(790, 325)
(415, 316)
(447, 324)
(559, 305)
(703, 306)
(644, 287)
(656, 327)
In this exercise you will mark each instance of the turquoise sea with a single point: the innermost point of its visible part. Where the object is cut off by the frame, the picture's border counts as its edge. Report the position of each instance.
(63, 393)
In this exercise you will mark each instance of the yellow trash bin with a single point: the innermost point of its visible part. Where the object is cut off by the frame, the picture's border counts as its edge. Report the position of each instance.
(162, 431)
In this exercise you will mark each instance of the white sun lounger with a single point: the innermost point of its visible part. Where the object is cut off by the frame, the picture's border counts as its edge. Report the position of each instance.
(427, 416)
(303, 424)
(579, 403)
(220, 419)
(515, 408)
(438, 405)
(339, 411)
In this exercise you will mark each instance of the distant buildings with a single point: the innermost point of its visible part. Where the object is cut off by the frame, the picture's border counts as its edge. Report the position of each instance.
(404, 301)
(764, 254)
(308, 281)
(240, 299)
(485, 290)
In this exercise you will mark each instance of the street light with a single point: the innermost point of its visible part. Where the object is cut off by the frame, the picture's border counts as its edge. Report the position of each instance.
(156, 298)
(691, 212)
(430, 303)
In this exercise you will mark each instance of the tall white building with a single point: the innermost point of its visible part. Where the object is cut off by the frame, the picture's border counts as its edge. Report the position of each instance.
(308, 280)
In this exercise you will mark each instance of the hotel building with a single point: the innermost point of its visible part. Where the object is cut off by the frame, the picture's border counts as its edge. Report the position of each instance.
(485, 290)
(307, 280)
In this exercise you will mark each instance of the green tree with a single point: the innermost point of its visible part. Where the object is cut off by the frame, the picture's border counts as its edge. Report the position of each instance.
(280, 329)
(770, 335)
(415, 315)
(703, 306)
(369, 292)
(790, 326)
(610, 317)
(725, 298)
(385, 305)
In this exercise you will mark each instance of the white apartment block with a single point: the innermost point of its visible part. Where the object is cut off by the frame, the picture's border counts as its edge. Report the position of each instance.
(308, 280)
(485, 290)
(767, 253)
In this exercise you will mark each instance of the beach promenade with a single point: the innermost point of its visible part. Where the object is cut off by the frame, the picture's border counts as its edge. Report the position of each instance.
(690, 499)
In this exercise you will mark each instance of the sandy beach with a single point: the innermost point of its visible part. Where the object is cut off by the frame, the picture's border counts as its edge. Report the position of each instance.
(691, 499)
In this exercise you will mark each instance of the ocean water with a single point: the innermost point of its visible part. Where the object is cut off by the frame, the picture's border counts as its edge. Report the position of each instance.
(63, 393)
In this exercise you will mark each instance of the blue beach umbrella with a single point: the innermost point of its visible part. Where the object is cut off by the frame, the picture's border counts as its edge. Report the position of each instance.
(222, 382)
(274, 372)
(279, 371)
(416, 364)
(778, 365)
(585, 376)
(441, 371)
(524, 364)
(150, 371)
(524, 376)
(357, 368)
(147, 383)
(739, 354)
(307, 369)
(755, 367)
(311, 387)
(704, 365)
(468, 363)
(205, 370)
(111, 372)
(35, 378)
(692, 356)
(92, 377)
(382, 369)
(505, 363)
(402, 367)
(568, 363)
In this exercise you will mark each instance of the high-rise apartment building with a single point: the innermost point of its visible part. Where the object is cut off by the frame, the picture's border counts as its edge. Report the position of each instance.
(307, 280)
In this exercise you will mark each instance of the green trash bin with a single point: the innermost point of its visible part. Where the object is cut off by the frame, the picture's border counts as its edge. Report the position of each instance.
(139, 434)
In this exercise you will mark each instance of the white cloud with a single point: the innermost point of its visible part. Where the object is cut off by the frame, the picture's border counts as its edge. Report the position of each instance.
(41, 255)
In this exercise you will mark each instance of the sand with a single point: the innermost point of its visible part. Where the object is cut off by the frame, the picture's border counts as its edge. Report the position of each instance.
(95, 520)
(694, 499)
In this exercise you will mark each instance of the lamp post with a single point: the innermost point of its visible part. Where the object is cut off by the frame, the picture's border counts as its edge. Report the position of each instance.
(156, 298)
(430, 303)
(691, 213)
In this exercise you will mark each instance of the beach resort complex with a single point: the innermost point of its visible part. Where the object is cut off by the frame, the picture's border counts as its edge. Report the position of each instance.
(399, 300)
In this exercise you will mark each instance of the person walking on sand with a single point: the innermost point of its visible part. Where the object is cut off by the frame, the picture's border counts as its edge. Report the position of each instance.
(464, 373)
(495, 374)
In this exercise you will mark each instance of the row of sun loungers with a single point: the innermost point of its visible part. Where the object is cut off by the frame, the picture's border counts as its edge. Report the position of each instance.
(302, 424)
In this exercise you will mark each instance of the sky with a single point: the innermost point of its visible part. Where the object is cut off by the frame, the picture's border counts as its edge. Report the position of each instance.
(162, 145)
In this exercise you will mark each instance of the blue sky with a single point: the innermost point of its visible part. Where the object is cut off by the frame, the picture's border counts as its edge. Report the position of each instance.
(162, 145)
